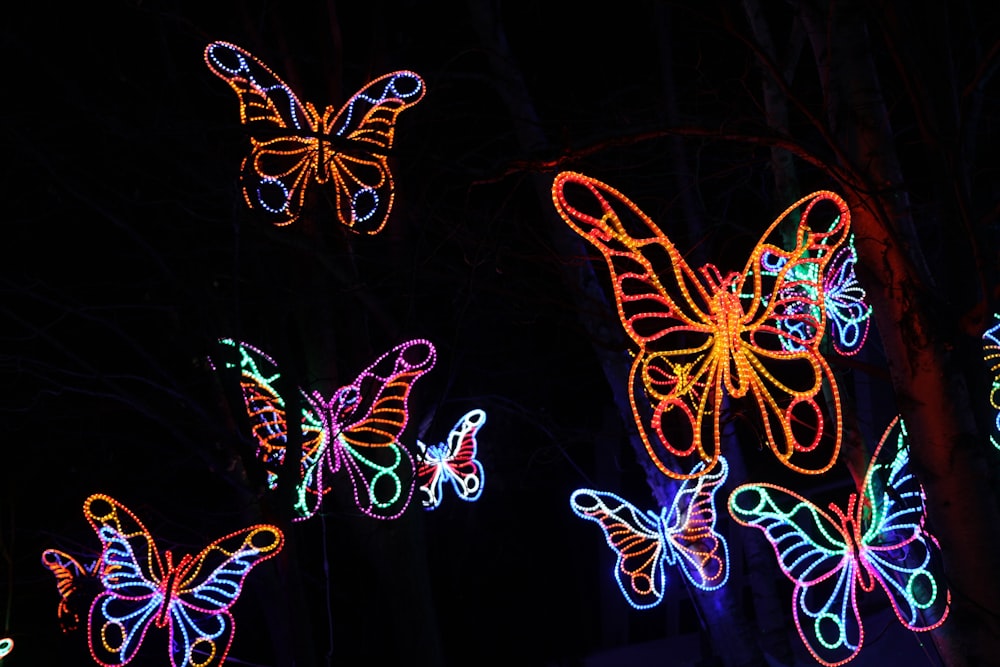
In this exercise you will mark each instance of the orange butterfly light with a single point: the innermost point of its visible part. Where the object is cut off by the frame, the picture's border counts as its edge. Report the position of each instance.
(703, 337)
(294, 144)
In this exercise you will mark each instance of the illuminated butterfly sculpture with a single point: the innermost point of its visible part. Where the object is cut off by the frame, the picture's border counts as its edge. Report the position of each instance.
(646, 542)
(847, 312)
(703, 337)
(73, 581)
(355, 429)
(453, 461)
(877, 539)
(6, 646)
(191, 597)
(991, 353)
(294, 145)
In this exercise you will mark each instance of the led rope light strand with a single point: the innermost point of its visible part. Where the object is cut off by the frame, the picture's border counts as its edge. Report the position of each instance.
(191, 597)
(6, 646)
(842, 296)
(453, 461)
(294, 145)
(356, 429)
(991, 354)
(646, 542)
(878, 539)
(702, 336)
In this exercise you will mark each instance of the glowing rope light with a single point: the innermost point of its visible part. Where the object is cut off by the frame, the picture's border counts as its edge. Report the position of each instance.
(6, 646)
(454, 462)
(295, 145)
(991, 354)
(357, 428)
(645, 542)
(842, 296)
(702, 336)
(190, 597)
(69, 574)
(878, 539)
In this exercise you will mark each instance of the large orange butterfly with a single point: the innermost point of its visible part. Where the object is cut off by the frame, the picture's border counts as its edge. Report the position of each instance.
(704, 337)
(293, 144)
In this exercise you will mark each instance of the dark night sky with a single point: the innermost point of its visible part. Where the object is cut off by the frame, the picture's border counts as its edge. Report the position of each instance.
(128, 252)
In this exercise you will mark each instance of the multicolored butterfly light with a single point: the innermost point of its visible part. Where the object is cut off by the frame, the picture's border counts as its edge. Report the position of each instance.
(453, 461)
(356, 429)
(991, 353)
(190, 597)
(646, 542)
(842, 296)
(6, 646)
(294, 145)
(71, 577)
(878, 538)
(703, 337)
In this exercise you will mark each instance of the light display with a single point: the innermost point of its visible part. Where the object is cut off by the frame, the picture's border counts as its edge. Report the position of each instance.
(991, 353)
(355, 429)
(190, 597)
(453, 461)
(878, 539)
(294, 145)
(6, 646)
(843, 298)
(645, 542)
(68, 573)
(703, 336)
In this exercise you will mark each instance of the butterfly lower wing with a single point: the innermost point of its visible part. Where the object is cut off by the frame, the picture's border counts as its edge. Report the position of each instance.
(813, 552)
(635, 538)
(690, 530)
(906, 558)
(382, 479)
(197, 638)
(431, 474)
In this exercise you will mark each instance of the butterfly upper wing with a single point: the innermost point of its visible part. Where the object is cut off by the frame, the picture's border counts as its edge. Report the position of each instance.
(904, 557)
(635, 538)
(6, 646)
(131, 570)
(362, 182)
(366, 418)
(454, 461)
(703, 336)
(813, 552)
(689, 527)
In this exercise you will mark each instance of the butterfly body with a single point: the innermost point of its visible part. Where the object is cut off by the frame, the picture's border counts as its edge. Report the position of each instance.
(645, 542)
(354, 429)
(294, 145)
(877, 541)
(145, 588)
(452, 462)
(702, 336)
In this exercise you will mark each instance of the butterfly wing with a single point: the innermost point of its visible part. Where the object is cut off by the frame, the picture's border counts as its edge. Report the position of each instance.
(636, 539)
(848, 312)
(359, 171)
(131, 570)
(991, 354)
(367, 417)
(703, 337)
(70, 578)
(454, 461)
(286, 147)
(201, 627)
(813, 552)
(266, 411)
(689, 527)
(902, 555)
(6, 646)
